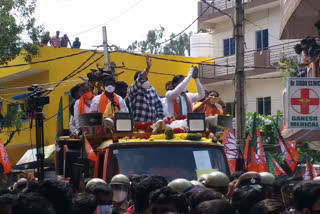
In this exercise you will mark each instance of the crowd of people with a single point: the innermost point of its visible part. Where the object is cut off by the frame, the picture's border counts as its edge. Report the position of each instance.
(214, 193)
(142, 100)
(57, 41)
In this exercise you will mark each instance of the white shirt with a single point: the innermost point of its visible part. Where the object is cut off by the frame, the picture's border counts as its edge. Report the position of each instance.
(96, 100)
(165, 106)
(76, 112)
(72, 126)
(174, 95)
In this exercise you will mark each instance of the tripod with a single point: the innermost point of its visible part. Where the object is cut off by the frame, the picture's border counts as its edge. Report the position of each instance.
(40, 144)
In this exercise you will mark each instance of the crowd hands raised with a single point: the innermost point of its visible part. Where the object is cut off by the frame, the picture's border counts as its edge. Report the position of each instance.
(141, 99)
(214, 193)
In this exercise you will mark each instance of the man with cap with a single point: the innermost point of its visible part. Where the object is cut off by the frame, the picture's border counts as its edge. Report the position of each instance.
(120, 185)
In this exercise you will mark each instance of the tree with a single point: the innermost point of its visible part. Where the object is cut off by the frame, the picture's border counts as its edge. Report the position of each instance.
(11, 123)
(151, 44)
(16, 19)
(178, 46)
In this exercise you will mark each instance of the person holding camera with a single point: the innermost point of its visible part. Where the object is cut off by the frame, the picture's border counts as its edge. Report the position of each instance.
(212, 105)
(180, 102)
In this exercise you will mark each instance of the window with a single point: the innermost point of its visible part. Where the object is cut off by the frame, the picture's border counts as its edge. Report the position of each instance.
(262, 39)
(229, 47)
(231, 109)
(264, 105)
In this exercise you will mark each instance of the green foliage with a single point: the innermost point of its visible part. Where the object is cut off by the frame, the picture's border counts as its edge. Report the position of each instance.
(269, 136)
(266, 126)
(16, 19)
(288, 67)
(13, 119)
(178, 46)
(151, 44)
(305, 153)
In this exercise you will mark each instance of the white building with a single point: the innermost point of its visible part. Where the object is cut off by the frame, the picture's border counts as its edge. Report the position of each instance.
(264, 86)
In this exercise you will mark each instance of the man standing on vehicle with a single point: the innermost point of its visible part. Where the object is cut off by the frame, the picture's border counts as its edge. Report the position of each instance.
(180, 102)
(144, 101)
(82, 105)
(108, 102)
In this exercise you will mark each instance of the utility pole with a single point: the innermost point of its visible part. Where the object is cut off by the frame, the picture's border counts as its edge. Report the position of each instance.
(105, 47)
(239, 74)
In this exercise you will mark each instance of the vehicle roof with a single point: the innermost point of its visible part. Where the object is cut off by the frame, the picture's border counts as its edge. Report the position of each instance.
(164, 143)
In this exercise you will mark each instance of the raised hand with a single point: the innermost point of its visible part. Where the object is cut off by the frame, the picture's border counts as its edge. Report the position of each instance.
(146, 72)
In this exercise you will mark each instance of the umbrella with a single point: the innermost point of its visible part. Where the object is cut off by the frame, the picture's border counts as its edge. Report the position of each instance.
(298, 18)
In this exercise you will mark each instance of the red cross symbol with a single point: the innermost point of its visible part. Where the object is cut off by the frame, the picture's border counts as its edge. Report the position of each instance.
(305, 101)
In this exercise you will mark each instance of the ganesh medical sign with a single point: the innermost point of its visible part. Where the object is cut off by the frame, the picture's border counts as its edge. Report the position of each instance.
(303, 100)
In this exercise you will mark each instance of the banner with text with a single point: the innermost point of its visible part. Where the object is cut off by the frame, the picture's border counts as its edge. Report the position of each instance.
(302, 107)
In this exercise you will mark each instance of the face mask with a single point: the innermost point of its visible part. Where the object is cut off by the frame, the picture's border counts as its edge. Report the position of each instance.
(88, 96)
(119, 195)
(146, 85)
(105, 209)
(109, 88)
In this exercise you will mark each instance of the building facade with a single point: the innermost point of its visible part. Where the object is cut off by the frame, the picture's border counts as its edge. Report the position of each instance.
(263, 51)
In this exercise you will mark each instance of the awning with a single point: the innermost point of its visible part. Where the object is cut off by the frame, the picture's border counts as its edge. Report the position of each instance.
(30, 155)
(301, 135)
(298, 18)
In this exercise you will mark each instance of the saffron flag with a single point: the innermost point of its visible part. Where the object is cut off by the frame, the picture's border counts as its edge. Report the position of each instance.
(87, 151)
(254, 155)
(274, 167)
(289, 152)
(4, 159)
(261, 159)
(251, 147)
(230, 148)
(310, 172)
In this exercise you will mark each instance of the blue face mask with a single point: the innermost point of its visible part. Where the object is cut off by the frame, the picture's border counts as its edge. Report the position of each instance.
(105, 209)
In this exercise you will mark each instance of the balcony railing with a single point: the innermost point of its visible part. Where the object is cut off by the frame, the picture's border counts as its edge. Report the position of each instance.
(254, 60)
(220, 4)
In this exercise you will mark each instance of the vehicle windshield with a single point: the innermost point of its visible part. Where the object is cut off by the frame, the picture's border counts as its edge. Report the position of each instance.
(171, 162)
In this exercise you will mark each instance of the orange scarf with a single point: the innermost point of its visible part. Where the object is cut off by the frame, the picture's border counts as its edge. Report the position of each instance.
(82, 104)
(104, 102)
(178, 106)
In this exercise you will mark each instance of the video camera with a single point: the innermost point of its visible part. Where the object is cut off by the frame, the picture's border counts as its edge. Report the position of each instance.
(35, 100)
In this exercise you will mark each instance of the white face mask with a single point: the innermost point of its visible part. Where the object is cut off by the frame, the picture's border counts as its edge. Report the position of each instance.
(146, 85)
(119, 195)
(105, 209)
(109, 88)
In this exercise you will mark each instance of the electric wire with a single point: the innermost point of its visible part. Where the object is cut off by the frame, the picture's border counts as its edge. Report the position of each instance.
(110, 20)
(79, 71)
(181, 32)
(47, 60)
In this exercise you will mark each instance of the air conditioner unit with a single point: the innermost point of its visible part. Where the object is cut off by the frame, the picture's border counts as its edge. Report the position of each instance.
(246, 1)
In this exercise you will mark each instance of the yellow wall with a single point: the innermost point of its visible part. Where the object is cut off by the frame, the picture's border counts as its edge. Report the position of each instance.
(56, 70)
